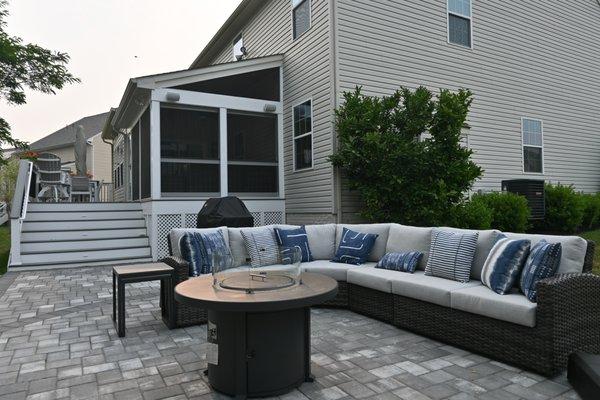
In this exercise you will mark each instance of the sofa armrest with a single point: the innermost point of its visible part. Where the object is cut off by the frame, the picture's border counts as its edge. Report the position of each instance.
(569, 307)
(181, 267)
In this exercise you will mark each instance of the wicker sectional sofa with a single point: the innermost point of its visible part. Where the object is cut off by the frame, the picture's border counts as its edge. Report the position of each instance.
(534, 336)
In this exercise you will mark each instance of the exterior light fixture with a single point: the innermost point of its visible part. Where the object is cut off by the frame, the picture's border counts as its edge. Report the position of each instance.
(172, 96)
(270, 108)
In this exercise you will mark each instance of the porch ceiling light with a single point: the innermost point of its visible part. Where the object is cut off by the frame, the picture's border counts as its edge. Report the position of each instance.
(270, 108)
(172, 96)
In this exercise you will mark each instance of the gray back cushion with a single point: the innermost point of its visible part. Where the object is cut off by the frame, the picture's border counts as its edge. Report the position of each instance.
(321, 240)
(382, 230)
(176, 234)
(573, 250)
(404, 238)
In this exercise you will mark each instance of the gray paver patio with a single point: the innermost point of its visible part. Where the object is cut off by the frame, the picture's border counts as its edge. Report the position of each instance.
(57, 340)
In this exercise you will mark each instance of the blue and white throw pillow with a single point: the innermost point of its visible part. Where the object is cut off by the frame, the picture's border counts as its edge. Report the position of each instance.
(451, 254)
(403, 262)
(542, 263)
(262, 246)
(197, 249)
(354, 247)
(503, 265)
(294, 238)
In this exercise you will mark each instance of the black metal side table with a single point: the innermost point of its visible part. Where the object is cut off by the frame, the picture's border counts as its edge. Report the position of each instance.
(143, 273)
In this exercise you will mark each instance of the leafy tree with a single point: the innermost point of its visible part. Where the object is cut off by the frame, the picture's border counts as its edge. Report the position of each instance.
(403, 154)
(26, 66)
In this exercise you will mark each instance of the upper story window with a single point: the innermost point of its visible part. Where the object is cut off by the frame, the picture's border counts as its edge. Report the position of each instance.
(238, 48)
(303, 152)
(459, 22)
(300, 17)
(533, 145)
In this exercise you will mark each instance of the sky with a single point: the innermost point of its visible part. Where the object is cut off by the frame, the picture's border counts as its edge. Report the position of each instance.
(109, 41)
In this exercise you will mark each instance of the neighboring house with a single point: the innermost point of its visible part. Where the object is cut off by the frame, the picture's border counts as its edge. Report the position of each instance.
(62, 143)
(253, 116)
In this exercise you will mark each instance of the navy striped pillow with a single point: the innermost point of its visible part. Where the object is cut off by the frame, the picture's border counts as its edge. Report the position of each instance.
(403, 262)
(543, 262)
(262, 247)
(451, 254)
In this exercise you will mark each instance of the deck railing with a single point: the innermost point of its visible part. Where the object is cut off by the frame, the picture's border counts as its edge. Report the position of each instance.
(106, 192)
(18, 210)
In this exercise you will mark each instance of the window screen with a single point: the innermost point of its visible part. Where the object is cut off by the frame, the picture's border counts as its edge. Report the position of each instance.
(300, 16)
(533, 157)
(459, 22)
(303, 152)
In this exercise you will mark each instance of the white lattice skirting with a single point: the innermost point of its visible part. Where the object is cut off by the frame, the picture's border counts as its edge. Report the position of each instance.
(166, 222)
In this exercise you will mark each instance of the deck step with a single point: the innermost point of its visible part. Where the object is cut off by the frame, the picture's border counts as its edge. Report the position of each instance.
(66, 225)
(82, 215)
(82, 235)
(85, 244)
(104, 263)
(60, 257)
(50, 207)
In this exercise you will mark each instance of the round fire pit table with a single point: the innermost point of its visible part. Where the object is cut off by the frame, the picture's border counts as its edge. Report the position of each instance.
(260, 341)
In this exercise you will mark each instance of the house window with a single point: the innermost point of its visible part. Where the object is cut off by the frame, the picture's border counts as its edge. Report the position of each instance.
(189, 150)
(303, 152)
(533, 145)
(300, 17)
(238, 43)
(459, 22)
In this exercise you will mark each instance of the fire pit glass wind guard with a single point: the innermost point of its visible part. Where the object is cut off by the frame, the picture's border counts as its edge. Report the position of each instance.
(248, 279)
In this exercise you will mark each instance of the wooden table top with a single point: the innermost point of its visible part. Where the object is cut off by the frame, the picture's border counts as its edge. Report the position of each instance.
(200, 292)
(135, 269)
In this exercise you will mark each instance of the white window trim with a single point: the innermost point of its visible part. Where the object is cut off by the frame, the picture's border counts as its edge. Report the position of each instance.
(241, 37)
(470, 18)
(312, 137)
(292, 18)
(523, 145)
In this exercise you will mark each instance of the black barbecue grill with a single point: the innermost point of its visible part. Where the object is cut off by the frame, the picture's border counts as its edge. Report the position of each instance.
(224, 211)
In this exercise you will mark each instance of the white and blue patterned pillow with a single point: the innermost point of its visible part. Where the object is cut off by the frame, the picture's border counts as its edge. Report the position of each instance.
(354, 247)
(451, 254)
(197, 249)
(503, 265)
(403, 262)
(293, 238)
(262, 246)
(542, 263)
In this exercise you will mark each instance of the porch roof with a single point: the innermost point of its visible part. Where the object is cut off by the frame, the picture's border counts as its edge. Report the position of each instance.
(137, 94)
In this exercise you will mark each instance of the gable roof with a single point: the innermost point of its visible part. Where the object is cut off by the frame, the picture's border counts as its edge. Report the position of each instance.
(92, 125)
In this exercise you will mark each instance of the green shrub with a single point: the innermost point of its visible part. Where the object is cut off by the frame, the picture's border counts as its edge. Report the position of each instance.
(473, 214)
(564, 209)
(591, 211)
(401, 174)
(510, 211)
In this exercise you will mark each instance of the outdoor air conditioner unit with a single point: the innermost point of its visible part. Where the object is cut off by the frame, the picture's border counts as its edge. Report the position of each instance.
(533, 190)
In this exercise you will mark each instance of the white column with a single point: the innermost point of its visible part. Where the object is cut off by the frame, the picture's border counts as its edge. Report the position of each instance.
(155, 150)
(223, 150)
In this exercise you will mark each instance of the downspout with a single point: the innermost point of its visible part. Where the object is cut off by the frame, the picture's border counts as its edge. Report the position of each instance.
(334, 54)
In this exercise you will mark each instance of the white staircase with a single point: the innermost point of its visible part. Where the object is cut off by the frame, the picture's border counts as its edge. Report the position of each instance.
(81, 234)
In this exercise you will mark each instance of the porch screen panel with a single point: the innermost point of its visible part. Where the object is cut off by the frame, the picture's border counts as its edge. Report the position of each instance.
(189, 147)
(145, 155)
(252, 153)
(135, 162)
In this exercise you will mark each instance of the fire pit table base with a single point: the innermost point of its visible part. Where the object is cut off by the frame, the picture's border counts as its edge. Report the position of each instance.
(260, 354)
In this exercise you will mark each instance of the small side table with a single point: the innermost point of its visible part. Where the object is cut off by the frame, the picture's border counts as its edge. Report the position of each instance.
(143, 273)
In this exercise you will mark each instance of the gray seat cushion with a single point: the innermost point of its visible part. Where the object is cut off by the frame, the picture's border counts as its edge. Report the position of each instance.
(373, 278)
(404, 238)
(573, 250)
(321, 240)
(481, 300)
(337, 271)
(427, 288)
(176, 234)
(381, 230)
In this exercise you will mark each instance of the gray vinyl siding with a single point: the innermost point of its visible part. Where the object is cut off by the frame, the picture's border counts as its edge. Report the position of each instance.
(536, 59)
(118, 157)
(306, 75)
